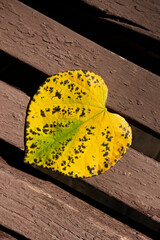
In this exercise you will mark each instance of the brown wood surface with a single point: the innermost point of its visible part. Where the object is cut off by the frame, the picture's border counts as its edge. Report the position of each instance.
(130, 188)
(6, 236)
(50, 47)
(141, 15)
(12, 114)
(38, 209)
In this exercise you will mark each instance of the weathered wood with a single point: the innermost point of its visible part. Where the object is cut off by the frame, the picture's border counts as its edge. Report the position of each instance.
(51, 47)
(6, 236)
(130, 188)
(13, 105)
(12, 114)
(38, 209)
(120, 34)
(141, 15)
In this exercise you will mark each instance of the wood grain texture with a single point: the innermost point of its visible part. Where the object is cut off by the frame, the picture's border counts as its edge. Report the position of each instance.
(130, 187)
(50, 47)
(12, 114)
(141, 15)
(38, 209)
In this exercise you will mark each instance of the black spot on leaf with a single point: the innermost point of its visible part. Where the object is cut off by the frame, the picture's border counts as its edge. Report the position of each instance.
(56, 109)
(99, 172)
(33, 145)
(42, 113)
(91, 170)
(58, 94)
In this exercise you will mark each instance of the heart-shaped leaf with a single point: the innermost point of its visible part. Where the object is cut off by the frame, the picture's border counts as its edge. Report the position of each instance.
(69, 129)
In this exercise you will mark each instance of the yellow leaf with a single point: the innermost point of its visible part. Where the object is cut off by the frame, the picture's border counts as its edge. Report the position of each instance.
(68, 128)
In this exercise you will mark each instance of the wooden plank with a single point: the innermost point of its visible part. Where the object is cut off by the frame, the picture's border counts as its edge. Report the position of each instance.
(140, 15)
(6, 236)
(51, 47)
(38, 209)
(121, 35)
(12, 114)
(130, 188)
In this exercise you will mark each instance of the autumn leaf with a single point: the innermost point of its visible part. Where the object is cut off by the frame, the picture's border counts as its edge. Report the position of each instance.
(68, 127)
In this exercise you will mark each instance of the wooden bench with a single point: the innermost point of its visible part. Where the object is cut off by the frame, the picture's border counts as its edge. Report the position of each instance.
(123, 203)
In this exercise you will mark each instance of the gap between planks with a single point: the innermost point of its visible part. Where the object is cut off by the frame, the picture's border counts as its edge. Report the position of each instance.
(143, 141)
(38, 209)
(132, 14)
(6, 236)
(50, 47)
(121, 27)
(131, 188)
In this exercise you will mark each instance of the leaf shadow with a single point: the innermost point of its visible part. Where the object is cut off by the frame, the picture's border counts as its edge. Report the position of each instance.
(84, 191)
(20, 75)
